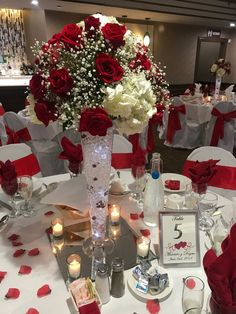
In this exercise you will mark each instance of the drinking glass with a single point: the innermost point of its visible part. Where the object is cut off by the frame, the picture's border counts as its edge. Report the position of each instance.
(10, 188)
(207, 206)
(25, 188)
(190, 197)
(192, 295)
(139, 184)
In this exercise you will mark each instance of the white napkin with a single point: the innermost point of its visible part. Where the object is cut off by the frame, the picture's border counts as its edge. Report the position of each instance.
(228, 91)
(197, 88)
(72, 193)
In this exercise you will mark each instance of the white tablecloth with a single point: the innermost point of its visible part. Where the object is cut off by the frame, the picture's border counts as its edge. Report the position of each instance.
(46, 271)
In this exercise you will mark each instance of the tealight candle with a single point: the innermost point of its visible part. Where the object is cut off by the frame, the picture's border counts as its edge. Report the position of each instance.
(143, 246)
(114, 214)
(74, 265)
(57, 227)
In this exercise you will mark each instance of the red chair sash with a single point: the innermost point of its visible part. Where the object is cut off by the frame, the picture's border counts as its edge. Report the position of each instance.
(174, 121)
(121, 161)
(27, 165)
(18, 136)
(221, 118)
(224, 178)
(2, 111)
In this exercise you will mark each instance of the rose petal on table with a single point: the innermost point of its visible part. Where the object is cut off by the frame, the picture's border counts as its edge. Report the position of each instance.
(134, 216)
(2, 275)
(49, 213)
(49, 230)
(190, 283)
(34, 252)
(18, 253)
(32, 310)
(145, 232)
(15, 243)
(12, 293)
(13, 237)
(141, 215)
(44, 290)
(25, 270)
(153, 306)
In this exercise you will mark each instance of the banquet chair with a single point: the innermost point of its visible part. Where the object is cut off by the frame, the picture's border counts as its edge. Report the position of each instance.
(22, 157)
(224, 180)
(121, 152)
(2, 110)
(46, 150)
(221, 127)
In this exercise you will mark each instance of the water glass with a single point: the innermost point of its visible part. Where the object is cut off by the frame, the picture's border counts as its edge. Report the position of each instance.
(10, 188)
(139, 184)
(25, 189)
(192, 295)
(190, 197)
(207, 206)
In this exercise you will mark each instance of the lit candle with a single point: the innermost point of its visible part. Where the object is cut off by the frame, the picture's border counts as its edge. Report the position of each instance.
(114, 214)
(57, 227)
(143, 245)
(74, 264)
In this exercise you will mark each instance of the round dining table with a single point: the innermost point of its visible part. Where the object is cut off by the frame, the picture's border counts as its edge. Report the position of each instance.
(45, 269)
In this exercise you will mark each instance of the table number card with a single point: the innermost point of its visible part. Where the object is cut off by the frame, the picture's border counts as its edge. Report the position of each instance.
(179, 238)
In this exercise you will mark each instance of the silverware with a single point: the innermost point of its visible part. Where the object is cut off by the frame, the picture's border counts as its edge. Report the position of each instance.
(5, 205)
(3, 222)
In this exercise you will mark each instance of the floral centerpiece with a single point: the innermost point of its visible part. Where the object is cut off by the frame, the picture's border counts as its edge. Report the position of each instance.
(220, 68)
(92, 76)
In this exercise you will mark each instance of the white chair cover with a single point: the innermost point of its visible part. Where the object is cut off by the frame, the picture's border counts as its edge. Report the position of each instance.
(226, 159)
(15, 152)
(227, 142)
(121, 152)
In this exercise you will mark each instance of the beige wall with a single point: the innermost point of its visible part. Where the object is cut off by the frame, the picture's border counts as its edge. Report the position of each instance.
(174, 45)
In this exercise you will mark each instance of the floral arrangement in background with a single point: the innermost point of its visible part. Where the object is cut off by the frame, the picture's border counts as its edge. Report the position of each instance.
(96, 63)
(220, 67)
(207, 89)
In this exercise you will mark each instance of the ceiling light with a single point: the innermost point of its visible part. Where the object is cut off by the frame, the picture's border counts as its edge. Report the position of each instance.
(232, 24)
(35, 2)
(147, 38)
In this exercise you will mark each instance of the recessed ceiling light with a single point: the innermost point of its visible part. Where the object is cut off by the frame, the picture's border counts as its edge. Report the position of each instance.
(232, 24)
(35, 2)
(59, 6)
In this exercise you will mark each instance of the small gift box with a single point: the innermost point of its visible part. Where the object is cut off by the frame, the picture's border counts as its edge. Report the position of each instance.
(85, 297)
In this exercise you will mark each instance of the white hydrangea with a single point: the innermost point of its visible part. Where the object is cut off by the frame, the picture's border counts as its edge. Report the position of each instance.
(214, 67)
(220, 72)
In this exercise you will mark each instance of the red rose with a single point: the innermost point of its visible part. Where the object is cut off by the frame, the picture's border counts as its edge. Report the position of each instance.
(91, 25)
(114, 34)
(71, 35)
(108, 69)
(56, 38)
(142, 61)
(36, 86)
(45, 112)
(60, 82)
(95, 121)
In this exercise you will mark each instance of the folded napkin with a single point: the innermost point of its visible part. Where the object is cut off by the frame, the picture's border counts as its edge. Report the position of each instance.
(8, 177)
(190, 90)
(138, 159)
(72, 193)
(202, 171)
(221, 273)
(197, 88)
(229, 90)
(71, 152)
(172, 184)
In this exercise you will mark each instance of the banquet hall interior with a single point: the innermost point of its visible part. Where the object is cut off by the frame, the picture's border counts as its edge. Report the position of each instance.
(160, 78)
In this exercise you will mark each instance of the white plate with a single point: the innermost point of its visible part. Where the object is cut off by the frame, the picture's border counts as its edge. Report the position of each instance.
(37, 185)
(132, 282)
(119, 193)
(175, 176)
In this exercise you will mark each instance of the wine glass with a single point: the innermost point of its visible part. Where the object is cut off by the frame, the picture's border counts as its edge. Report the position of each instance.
(207, 206)
(10, 188)
(25, 188)
(192, 295)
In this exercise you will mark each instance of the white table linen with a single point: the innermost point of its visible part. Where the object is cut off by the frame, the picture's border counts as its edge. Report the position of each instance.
(46, 271)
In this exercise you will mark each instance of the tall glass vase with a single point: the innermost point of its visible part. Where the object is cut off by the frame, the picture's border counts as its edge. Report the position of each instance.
(217, 87)
(96, 167)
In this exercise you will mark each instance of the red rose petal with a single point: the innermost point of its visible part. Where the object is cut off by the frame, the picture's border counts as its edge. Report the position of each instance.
(153, 306)
(12, 293)
(25, 270)
(145, 232)
(134, 216)
(2, 275)
(49, 213)
(13, 237)
(190, 283)
(44, 290)
(15, 243)
(18, 253)
(34, 252)
(32, 310)
(141, 215)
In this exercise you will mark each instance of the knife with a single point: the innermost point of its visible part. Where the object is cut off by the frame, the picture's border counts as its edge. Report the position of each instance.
(6, 205)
